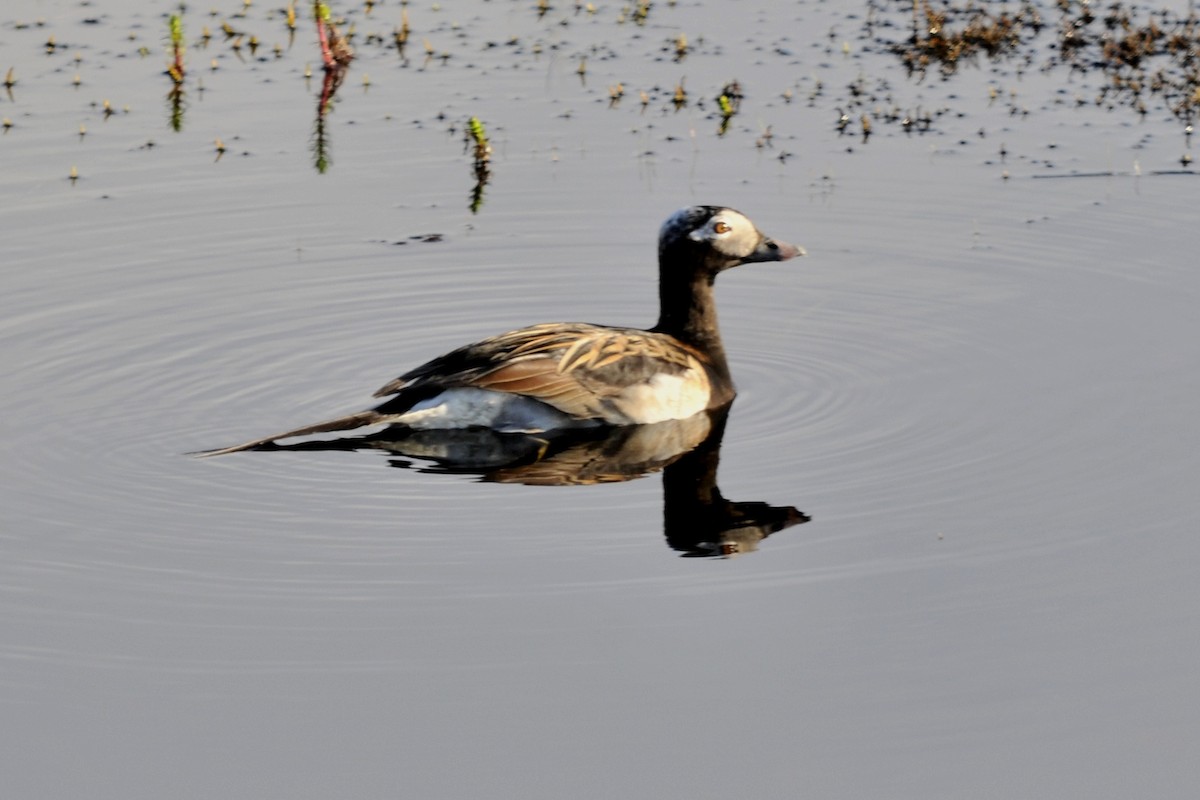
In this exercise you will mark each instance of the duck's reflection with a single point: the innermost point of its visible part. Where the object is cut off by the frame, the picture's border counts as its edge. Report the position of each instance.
(697, 519)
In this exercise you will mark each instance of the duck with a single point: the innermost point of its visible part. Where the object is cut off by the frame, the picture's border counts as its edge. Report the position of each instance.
(559, 376)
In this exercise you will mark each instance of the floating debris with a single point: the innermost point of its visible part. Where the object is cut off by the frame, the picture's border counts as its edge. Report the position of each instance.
(400, 35)
(681, 47)
(765, 141)
(679, 100)
(615, 93)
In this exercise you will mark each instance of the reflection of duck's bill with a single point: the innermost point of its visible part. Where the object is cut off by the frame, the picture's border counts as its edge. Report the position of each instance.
(749, 523)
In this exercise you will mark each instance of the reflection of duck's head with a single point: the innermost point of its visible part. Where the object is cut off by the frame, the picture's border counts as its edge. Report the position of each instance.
(699, 521)
(724, 528)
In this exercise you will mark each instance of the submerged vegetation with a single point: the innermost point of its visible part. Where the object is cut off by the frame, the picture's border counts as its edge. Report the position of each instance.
(946, 36)
(1157, 58)
(1143, 56)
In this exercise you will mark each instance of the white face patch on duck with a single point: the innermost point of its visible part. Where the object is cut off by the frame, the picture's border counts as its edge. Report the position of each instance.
(729, 233)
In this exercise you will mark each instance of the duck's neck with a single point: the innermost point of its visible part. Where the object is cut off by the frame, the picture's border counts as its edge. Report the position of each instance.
(688, 312)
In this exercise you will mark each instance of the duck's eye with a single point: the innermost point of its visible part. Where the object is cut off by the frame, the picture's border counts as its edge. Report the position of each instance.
(721, 227)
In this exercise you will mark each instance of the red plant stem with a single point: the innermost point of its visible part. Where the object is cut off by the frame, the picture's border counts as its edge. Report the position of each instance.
(328, 87)
(323, 38)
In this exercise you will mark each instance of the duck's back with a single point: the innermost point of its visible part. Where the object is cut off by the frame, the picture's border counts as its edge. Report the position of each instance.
(585, 373)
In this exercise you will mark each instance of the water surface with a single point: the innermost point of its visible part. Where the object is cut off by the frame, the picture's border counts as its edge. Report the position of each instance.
(980, 385)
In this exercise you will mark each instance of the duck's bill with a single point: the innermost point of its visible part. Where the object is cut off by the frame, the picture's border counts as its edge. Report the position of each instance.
(775, 250)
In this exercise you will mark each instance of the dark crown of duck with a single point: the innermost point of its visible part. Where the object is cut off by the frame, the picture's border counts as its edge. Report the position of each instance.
(694, 245)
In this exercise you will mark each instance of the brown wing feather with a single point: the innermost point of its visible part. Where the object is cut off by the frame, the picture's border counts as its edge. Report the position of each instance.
(579, 369)
(539, 378)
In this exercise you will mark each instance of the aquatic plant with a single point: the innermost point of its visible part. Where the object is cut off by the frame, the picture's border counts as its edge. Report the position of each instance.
(477, 142)
(1157, 58)
(336, 55)
(615, 93)
(478, 136)
(336, 52)
(933, 43)
(400, 35)
(176, 71)
(730, 99)
(330, 83)
(175, 30)
(320, 146)
(679, 99)
(1143, 56)
(728, 103)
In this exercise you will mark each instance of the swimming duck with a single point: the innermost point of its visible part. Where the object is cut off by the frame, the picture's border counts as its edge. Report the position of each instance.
(565, 375)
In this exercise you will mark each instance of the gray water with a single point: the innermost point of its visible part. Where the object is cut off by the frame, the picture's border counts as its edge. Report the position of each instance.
(981, 385)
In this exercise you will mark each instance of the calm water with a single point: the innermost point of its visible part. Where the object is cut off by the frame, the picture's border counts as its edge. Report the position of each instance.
(981, 385)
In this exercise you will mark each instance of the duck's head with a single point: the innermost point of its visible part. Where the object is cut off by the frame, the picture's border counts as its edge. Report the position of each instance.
(712, 238)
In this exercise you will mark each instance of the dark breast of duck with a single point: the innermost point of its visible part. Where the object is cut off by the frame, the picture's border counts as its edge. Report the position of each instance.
(562, 375)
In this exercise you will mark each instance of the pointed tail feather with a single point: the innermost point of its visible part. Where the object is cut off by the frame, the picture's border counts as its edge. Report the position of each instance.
(359, 420)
